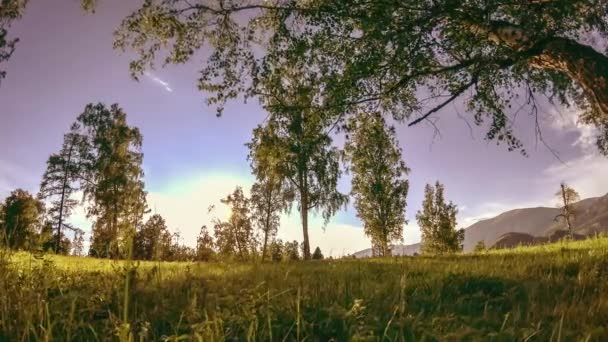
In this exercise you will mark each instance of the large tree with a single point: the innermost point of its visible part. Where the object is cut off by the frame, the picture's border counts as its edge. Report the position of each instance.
(10, 10)
(20, 219)
(567, 197)
(437, 221)
(408, 58)
(295, 146)
(113, 174)
(61, 179)
(378, 180)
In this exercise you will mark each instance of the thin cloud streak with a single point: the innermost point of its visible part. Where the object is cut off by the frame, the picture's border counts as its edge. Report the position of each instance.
(159, 81)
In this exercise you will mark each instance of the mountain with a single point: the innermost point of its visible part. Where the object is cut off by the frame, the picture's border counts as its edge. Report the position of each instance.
(512, 226)
(511, 240)
(526, 226)
(397, 250)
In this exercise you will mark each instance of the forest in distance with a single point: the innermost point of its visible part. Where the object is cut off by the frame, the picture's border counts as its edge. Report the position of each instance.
(333, 82)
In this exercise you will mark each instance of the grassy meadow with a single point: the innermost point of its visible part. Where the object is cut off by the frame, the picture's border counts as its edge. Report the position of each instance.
(557, 292)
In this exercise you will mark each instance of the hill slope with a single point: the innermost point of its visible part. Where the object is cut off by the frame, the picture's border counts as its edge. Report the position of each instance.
(539, 222)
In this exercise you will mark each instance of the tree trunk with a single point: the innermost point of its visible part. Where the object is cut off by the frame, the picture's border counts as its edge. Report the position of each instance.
(587, 67)
(304, 212)
(266, 230)
(61, 205)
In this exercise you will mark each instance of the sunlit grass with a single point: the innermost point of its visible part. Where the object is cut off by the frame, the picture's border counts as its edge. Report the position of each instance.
(554, 292)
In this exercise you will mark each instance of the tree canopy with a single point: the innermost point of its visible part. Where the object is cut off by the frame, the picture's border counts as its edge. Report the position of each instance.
(10, 10)
(378, 180)
(409, 58)
(437, 221)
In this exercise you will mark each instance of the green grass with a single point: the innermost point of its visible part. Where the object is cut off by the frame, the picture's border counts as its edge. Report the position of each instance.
(549, 293)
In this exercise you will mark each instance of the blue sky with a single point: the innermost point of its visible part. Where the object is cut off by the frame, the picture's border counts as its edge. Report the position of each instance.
(192, 159)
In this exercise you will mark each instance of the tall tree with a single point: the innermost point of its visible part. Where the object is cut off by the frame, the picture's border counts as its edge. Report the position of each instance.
(113, 171)
(10, 10)
(378, 183)
(437, 222)
(148, 241)
(235, 236)
(61, 179)
(295, 146)
(21, 219)
(567, 197)
(486, 53)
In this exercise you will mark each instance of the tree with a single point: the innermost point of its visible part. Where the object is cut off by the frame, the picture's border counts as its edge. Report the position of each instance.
(46, 240)
(276, 250)
(489, 53)
(295, 146)
(480, 247)
(113, 172)
(268, 200)
(235, 237)
(204, 245)
(567, 196)
(147, 244)
(378, 183)
(317, 255)
(78, 244)
(291, 251)
(60, 180)
(10, 10)
(21, 219)
(437, 222)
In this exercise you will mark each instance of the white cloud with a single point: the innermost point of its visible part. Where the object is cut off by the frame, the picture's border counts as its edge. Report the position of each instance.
(159, 81)
(184, 206)
(587, 174)
(567, 121)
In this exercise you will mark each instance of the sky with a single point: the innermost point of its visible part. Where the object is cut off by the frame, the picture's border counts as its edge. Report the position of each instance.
(192, 159)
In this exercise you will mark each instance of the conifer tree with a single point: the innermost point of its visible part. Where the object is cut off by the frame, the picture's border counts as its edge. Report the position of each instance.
(61, 179)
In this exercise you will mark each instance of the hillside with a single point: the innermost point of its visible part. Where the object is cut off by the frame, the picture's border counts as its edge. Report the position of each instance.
(538, 222)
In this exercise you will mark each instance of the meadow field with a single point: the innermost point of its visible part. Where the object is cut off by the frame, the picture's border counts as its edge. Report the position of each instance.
(556, 292)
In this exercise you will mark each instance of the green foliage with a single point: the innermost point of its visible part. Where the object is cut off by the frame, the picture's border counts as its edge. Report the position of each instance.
(10, 10)
(506, 295)
(384, 54)
(437, 222)
(378, 183)
(114, 187)
(235, 237)
(152, 240)
(20, 220)
(317, 254)
(294, 146)
(268, 200)
(204, 246)
(480, 247)
(291, 251)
